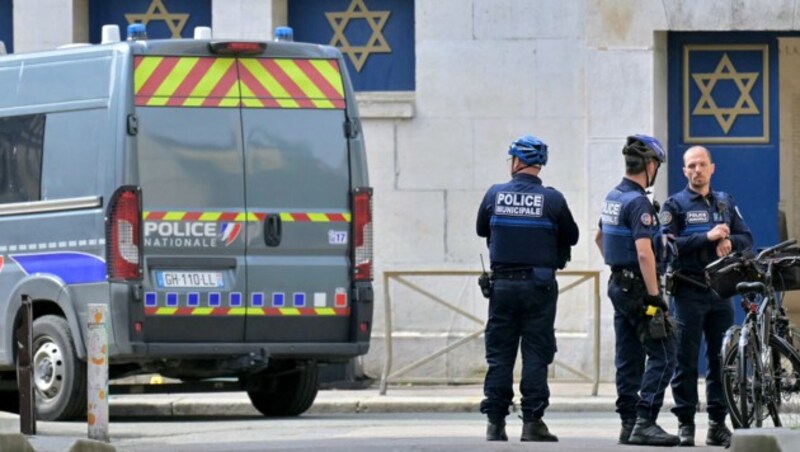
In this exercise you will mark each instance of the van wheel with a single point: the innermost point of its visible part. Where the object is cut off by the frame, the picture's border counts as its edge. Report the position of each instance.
(59, 377)
(289, 394)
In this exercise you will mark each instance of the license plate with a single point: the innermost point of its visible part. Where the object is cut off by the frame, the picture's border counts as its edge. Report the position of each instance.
(168, 279)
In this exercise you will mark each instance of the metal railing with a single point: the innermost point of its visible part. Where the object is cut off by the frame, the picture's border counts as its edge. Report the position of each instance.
(401, 278)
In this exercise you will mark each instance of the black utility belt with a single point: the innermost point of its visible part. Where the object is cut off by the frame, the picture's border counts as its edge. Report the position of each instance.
(628, 280)
(626, 275)
(517, 274)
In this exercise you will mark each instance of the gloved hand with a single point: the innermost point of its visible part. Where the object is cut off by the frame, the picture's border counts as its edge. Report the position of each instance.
(657, 301)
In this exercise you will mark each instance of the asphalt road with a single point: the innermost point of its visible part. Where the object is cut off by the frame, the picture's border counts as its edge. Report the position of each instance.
(595, 432)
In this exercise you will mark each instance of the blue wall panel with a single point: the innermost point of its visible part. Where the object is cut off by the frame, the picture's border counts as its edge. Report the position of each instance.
(7, 25)
(726, 99)
(164, 18)
(376, 36)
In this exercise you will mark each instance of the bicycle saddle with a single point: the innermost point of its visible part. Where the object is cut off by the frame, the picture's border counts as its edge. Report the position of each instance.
(747, 287)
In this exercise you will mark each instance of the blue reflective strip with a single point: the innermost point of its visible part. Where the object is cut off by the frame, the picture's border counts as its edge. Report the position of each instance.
(695, 229)
(258, 299)
(150, 299)
(617, 230)
(213, 299)
(522, 222)
(72, 268)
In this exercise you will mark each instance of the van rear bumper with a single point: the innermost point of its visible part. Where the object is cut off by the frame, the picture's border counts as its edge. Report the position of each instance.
(199, 350)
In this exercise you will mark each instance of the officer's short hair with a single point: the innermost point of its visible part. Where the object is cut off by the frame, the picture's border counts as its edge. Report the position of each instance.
(635, 164)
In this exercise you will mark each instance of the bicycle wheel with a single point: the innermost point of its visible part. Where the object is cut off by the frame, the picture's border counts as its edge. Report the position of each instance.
(750, 406)
(783, 381)
(730, 375)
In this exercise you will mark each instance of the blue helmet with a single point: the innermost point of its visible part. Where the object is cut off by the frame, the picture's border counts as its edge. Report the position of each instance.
(530, 150)
(645, 146)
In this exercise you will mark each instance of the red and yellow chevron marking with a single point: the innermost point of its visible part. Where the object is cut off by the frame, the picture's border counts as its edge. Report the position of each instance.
(164, 81)
(300, 217)
(315, 217)
(264, 312)
(202, 216)
(161, 81)
(290, 83)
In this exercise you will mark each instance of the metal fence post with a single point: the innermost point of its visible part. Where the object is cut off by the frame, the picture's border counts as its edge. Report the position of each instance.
(97, 369)
(24, 333)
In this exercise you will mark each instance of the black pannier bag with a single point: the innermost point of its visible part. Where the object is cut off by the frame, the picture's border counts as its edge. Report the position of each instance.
(725, 273)
(786, 273)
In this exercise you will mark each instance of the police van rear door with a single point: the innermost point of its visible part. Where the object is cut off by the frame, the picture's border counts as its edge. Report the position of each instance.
(191, 172)
(297, 183)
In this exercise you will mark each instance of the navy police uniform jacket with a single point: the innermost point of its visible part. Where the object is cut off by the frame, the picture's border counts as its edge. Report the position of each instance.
(688, 216)
(627, 215)
(526, 224)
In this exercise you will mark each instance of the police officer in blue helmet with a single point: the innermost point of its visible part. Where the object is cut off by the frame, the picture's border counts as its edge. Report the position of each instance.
(707, 225)
(529, 230)
(645, 347)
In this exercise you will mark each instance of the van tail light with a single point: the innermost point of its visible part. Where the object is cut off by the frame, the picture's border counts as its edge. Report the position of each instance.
(362, 233)
(124, 234)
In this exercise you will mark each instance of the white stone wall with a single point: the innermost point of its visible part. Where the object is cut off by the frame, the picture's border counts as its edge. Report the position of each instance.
(66, 22)
(487, 72)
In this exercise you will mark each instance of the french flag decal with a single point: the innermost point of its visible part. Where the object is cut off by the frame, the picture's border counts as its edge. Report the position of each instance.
(230, 231)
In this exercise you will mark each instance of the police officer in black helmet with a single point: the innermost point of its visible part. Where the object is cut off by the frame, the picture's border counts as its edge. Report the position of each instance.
(645, 348)
(529, 230)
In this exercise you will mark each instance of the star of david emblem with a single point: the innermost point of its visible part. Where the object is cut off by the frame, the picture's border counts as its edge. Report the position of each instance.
(157, 11)
(706, 105)
(375, 44)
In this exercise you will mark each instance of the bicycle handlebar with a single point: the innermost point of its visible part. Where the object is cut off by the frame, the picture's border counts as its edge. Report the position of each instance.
(775, 248)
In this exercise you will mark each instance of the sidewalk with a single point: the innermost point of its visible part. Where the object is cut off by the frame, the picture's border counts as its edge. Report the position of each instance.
(565, 397)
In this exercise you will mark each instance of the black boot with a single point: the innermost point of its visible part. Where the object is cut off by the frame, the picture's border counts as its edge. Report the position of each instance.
(646, 432)
(686, 434)
(718, 434)
(536, 430)
(496, 431)
(627, 428)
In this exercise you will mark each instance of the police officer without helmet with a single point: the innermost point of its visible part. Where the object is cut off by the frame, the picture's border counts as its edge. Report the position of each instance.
(706, 225)
(645, 349)
(529, 230)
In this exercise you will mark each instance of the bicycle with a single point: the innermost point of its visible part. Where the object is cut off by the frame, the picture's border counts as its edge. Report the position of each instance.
(760, 365)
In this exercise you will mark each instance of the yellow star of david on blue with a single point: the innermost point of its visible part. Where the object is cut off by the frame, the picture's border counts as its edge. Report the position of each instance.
(157, 11)
(375, 44)
(707, 106)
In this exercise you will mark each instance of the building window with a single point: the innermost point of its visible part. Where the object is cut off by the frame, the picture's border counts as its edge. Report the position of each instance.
(7, 24)
(375, 36)
(21, 142)
(164, 19)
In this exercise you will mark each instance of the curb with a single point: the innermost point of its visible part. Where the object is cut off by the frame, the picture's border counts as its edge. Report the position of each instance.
(15, 442)
(765, 440)
(220, 407)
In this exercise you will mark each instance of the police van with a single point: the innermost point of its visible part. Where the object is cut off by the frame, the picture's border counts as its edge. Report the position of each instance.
(212, 193)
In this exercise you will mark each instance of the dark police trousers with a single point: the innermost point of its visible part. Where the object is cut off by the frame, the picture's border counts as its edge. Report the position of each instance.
(519, 310)
(644, 368)
(699, 312)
